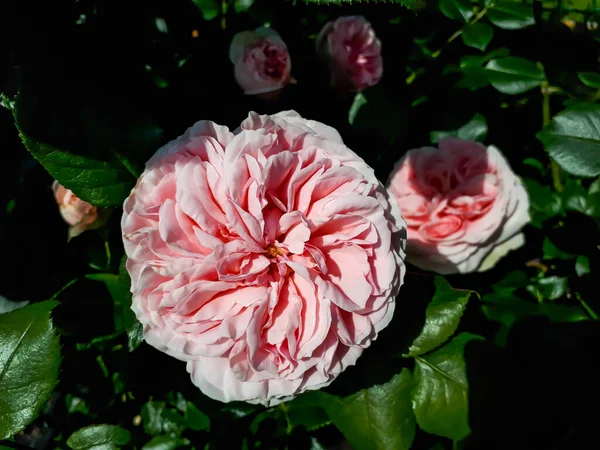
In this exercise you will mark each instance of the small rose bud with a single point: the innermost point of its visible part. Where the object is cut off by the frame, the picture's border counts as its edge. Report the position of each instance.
(79, 214)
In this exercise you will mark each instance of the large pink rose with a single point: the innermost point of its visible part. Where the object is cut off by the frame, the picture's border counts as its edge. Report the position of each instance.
(79, 214)
(261, 60)
(352, 51)
(463, 205)
(268, 258)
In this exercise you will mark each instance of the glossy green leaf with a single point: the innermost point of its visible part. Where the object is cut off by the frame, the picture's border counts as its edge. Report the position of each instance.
(475, 130)
(210, 8)
(477, 35)
(135, 335)
(511, 15)
(456, 9)
(310, 417)
(166, 443)
(532, 162)
(119, 288)
(582, 265)
(594, 187)
(549, 288)
(101, 183)
(512, 75)
(591, 79)
(195, 419)
(551, 251)
(94, 148)
(506, 307)
(377, 418)
(441, 317)
(29, 363)
(99, 437)
(441, 393)
(573, 139)
(158, 419)
(543, 203)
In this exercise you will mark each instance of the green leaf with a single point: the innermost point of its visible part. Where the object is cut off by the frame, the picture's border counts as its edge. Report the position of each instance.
(441, 393)
(456, 9)
(437, 136)
(441, 317)
(210, 8)
(196, 419)
(576, 198)
(549, 288)
(551, 251)
(119, 288)
(158, 419)
(475, 130)
(99, 437)
(594, 187)
(505, 307)
(242, 5)
(135, 335)
(29, 363)
(512, 75)
(101, 183)
(573, 139)
(582, 265)
(311, 417)
(532, 162)
(511, 15)
(544, 204)
(166, 443)
(591, 79)
(377, 418)
(76, 405)
(477, 35)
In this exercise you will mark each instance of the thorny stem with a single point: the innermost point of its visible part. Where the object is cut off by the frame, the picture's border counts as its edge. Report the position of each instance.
(546, 91)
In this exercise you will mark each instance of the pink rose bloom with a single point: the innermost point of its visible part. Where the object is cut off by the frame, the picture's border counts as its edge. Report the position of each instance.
(352, 51)
(268, 258)
(261, 59)
(79, 214)
(463, 205)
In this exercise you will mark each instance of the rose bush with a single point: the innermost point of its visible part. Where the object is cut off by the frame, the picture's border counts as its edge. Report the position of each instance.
(265, 258)
(268, 258)
(463, 205)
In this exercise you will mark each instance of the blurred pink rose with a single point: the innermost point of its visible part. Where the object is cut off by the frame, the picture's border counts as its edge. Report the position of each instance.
(463, 205)
(268, 258)
(79, 214)
(352, 51)
(261, 60)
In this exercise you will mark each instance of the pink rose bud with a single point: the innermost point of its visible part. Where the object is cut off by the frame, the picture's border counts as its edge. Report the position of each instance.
(463, 204)
(268, 258)
(352, 51)
(79, 214)
(261, 59)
